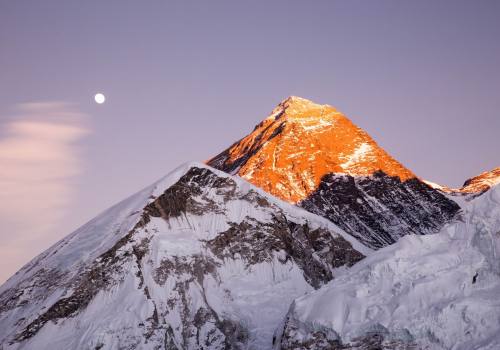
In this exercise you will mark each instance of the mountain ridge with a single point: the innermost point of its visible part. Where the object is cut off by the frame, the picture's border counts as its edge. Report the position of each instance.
(179, 265)
(314, 156)
(472, 187)
(207, 258)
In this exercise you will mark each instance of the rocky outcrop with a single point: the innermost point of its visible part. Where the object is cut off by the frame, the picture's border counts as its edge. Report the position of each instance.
(477, 185)
(473, 187)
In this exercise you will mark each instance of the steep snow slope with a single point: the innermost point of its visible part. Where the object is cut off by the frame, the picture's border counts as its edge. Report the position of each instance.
(424, 292)
(198, 260)
(314, 156)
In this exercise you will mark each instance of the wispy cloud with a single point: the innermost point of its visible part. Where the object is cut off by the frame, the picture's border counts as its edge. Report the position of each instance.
(39, 160)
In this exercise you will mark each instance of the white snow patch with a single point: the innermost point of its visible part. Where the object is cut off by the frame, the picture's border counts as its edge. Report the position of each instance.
(359, 154)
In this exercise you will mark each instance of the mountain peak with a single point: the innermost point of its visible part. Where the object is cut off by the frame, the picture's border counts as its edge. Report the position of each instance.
(474, 186)
(482, 182)
(300, 142)
(292, 99)
(296, 108)
(313, 156)
(296, 99)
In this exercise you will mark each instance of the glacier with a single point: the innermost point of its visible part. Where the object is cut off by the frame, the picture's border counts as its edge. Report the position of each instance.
(435, 291)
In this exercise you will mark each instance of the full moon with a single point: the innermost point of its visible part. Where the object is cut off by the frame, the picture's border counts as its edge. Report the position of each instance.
(99, 98)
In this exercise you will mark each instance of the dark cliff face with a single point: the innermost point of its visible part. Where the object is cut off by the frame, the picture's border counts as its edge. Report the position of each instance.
(379, 209)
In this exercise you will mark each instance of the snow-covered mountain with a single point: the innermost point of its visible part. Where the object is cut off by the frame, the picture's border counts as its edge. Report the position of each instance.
(423, 292)
(203, 259)
(199, 259)
(314, 156)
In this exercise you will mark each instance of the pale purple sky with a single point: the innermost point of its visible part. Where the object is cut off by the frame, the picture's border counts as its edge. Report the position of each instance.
(184, 79)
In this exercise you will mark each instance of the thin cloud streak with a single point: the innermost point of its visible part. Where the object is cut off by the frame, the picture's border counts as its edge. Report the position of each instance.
(39, 160)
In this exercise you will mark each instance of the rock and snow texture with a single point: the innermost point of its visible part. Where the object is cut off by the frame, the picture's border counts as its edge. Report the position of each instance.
(204, 260)
(481, 183)
(198, 260)
(314, 156)
(471, 188)
(290, 151)
(424, 292)
(379, 209)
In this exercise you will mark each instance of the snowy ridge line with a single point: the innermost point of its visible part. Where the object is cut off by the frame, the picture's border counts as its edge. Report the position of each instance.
(126, 211)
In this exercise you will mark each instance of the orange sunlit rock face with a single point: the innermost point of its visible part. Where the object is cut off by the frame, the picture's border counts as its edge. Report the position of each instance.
(473, 186)
(482, 182)
(289, 152)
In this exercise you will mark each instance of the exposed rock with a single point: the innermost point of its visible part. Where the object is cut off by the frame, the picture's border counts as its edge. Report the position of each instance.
(314, 156)
(85, 287)
(380, 209)
(300, 337)
(314, 250)
(477, 185)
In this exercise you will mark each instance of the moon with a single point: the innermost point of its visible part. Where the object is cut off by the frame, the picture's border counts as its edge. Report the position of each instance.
(99, 98)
